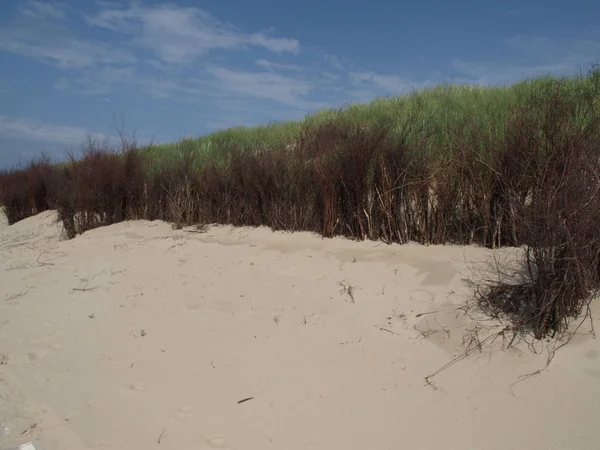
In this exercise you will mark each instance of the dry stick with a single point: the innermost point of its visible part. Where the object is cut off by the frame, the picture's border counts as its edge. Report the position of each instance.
(245, 400)
(20, 294)
(463, 355)
(422, 314)
(162, 435)
(389, 331)
(348, 289)
(552, 353)
(84, 289)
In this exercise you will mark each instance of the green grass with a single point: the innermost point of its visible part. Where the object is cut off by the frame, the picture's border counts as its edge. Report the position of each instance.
(440, 113)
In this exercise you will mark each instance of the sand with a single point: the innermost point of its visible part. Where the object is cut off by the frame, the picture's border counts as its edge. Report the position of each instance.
(136, 336)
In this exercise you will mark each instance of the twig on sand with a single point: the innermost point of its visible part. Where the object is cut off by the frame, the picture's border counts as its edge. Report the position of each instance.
(552, 351)
(347, 289)
(29, 429)
(245, 400)
(162, 435)
(474, 345)
(389, 331)
(429, 383)
(14, 296)
(422, 314)
(84, 289)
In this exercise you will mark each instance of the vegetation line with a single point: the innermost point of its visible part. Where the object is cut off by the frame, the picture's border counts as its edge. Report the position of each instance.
(509, 166)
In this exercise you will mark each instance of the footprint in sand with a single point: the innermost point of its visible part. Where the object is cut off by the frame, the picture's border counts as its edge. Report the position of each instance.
(183, 412)
(194, 306)
(217, 442)
(131, 388)
(41, 354)
(93, 404)
(44, 339)
(34, 356)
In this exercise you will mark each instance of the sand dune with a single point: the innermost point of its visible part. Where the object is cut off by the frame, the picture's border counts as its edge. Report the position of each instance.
(135, 336)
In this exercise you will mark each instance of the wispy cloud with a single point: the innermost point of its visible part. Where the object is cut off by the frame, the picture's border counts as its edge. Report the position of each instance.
(104, 80)
(274, 66)
(63, 52)
(43, 10)
(24, 128)
(568, 51)
(334, 61)
(165, 88)
(38, 32)
(156, 45)
(283, 89)
(181, 34)
(484, 73)
(531, 57)
(61, 84)
(368, 85)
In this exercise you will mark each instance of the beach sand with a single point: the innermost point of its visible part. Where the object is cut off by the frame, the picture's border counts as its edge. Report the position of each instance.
(136, 336)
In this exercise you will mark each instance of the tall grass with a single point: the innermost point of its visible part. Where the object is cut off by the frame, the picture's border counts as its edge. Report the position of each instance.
(434, 112)
(516, 165)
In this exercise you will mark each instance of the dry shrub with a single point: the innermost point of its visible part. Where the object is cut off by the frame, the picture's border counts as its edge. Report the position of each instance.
(551, 183)
(101, 188)
(28, 191)
(13, 195)
(344, 157)
(372, 187)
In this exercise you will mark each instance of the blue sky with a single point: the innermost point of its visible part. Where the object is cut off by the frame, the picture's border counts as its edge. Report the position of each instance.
(184, 68)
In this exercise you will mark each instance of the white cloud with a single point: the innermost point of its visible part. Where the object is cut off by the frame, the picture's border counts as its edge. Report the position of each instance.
(36, 34)
(329, 77)
(24, 128)
(494, 73)
(273, 66)
(266, 85)
(533, 56)
(181, 34)
(335, 62)
(544, 47)
(43, 10)
(370, 84)
(61, 84)
(64, 52)
(161, 87)
(105, 79)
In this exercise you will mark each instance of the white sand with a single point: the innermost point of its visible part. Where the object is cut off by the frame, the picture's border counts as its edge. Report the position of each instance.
(237, 313)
